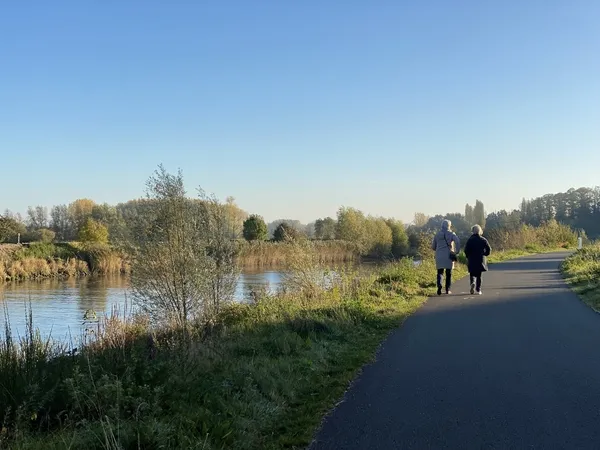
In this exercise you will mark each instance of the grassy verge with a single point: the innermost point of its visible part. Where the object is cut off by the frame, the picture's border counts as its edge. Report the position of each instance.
(582, 271)
(260, 376)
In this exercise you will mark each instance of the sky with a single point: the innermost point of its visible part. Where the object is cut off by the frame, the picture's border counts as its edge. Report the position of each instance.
(297, 108)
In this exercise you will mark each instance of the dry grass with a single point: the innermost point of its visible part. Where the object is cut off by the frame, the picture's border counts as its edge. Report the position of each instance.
(277, 254)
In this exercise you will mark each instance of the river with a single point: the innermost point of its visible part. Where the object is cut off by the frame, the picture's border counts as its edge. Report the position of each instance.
(58, 306)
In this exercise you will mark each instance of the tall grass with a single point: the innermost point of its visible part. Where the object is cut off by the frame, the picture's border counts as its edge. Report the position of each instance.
(582, 272)
(45, 260)
(259, 254)
(258, 375)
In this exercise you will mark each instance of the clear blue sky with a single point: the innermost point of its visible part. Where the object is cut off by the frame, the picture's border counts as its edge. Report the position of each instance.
(296, 108)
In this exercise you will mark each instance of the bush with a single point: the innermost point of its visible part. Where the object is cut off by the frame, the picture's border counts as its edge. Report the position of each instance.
(285, 232)
(92, 231)
(255, 229)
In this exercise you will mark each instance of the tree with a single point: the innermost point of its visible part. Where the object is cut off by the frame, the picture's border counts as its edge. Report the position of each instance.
(45, 235)
(110, 217)
(350, 225)
(61, 223)
(479, 214)
(255, 228)
(377, 239)
(235, 218)
(183, 264)
(295, 224)
(325, 228)
(285, 232)
(469, 214)
(79, 211)
(93, 231)
(420, 220)
(400, 243)
(37, 217)
(10, 228)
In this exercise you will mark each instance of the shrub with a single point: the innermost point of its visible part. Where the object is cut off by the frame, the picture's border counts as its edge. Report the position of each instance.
(285, 232)
(93, 231)
(255, 228)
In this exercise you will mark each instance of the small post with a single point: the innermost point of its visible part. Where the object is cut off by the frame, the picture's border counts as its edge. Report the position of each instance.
(579, 242)
(18, 238)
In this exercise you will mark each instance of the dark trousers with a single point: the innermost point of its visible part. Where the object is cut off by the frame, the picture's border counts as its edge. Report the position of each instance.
(476, 280)
(440, 274)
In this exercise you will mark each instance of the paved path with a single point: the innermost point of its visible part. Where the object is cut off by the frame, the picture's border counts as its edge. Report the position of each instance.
(517, 368)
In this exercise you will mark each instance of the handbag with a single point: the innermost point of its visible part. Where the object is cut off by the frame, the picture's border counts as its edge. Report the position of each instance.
(453, 256)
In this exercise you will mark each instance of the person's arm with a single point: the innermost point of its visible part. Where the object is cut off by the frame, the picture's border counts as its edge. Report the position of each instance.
(456, 243)
(434, 243)
(468, 248)
(487, 249)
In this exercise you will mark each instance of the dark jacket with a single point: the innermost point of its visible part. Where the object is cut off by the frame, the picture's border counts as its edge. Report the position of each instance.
(477, 249)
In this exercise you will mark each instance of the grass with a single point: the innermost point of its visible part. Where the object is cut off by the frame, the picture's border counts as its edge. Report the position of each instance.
(582, 271)
(259, 376)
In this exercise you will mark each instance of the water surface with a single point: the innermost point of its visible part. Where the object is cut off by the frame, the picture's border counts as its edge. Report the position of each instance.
(59, 306)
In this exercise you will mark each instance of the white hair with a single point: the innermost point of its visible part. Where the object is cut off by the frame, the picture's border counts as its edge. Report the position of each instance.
(477, 230)
(446, 224)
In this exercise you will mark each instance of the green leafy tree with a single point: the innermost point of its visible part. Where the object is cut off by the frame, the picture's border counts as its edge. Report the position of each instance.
(45, 235)
(420, 220)
(479, 215)
(182, 254)
(400, 243)
(469, 214)
(285, 232)
(93, 231)
(61, 223)
(79, 211)
(10, 228)
(325, 228)
(377, 239)
(255, 228)
(350, 225)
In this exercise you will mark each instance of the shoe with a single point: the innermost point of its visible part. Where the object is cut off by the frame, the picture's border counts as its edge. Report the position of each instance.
(479, 293)
(448, 292)
(439, 291)
(472, 289)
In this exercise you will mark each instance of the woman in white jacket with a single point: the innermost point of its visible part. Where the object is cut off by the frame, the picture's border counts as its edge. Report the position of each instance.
(446, 245)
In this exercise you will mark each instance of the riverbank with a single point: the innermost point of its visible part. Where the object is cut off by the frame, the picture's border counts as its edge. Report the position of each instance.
(46, 260)
(261, 376)
(582, 271)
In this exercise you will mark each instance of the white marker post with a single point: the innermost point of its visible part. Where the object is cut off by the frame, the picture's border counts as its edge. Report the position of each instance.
(579, 243)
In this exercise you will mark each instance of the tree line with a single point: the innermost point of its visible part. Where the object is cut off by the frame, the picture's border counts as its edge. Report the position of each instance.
(85, 220)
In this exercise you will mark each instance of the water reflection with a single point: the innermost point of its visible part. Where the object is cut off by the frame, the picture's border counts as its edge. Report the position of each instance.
(59, 306)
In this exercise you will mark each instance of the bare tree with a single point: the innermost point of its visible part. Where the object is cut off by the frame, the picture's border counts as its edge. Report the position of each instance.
(182, 263)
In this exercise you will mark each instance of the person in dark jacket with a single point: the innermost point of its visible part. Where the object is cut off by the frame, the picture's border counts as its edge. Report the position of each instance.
(477, 249)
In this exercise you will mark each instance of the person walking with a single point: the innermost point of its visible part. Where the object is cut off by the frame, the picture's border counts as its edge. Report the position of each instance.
(477, 249)
(446, 245)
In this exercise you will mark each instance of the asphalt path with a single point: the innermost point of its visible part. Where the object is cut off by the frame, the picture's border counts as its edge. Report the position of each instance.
(515, 368)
